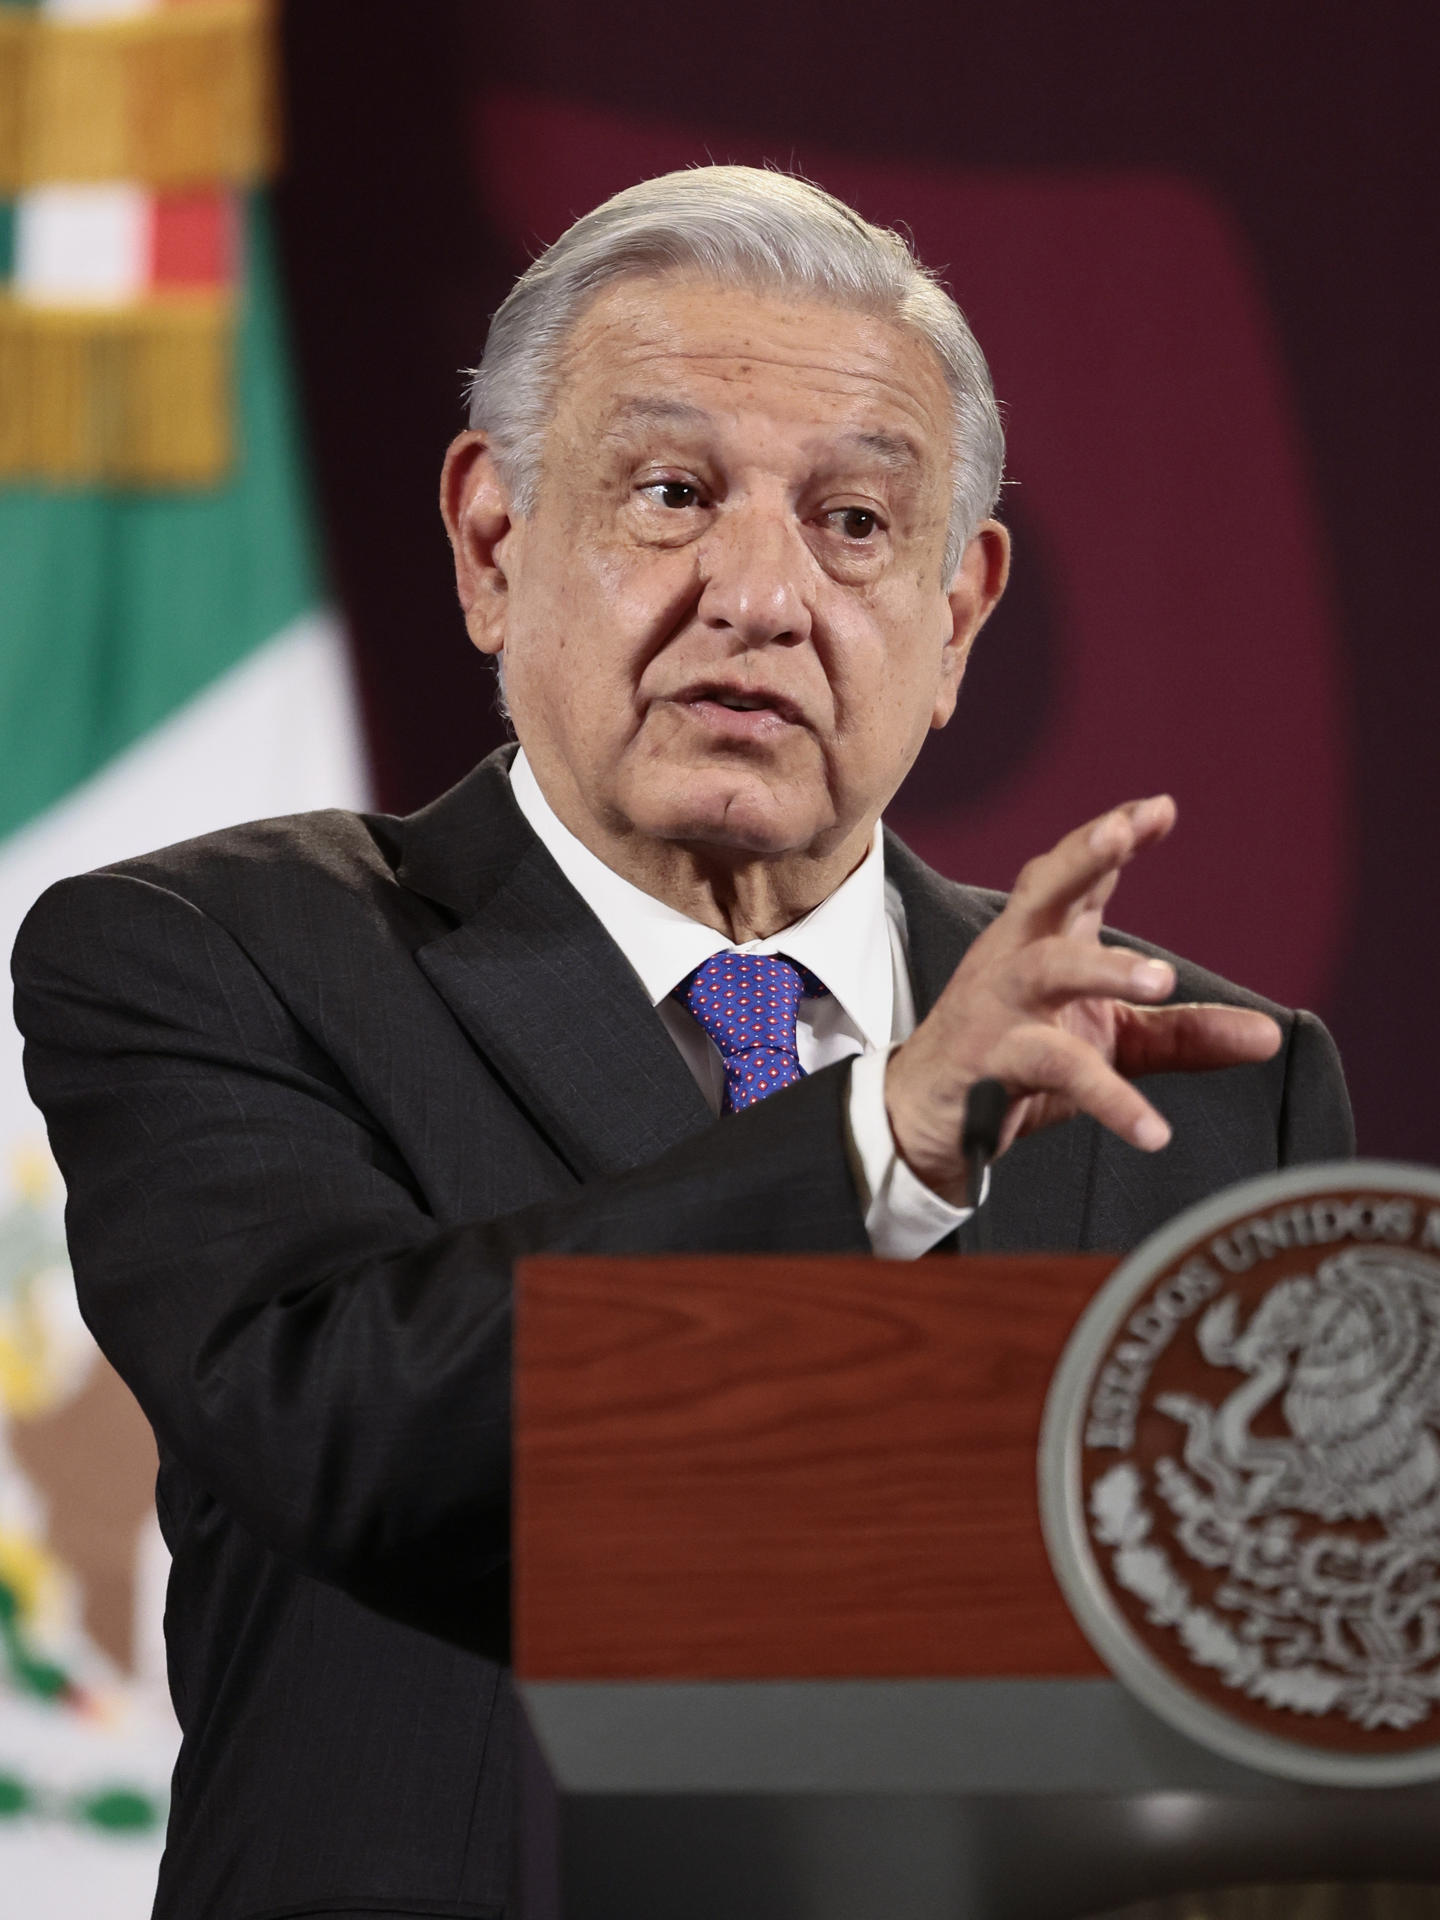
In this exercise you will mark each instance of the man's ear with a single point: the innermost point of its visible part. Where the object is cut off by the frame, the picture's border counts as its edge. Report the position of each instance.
(475, 506)
(978, 584)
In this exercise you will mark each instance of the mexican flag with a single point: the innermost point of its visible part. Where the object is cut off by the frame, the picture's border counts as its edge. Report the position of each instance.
(167, 665)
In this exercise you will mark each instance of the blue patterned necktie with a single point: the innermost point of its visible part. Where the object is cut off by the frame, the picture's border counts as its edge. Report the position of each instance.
(747, 1003)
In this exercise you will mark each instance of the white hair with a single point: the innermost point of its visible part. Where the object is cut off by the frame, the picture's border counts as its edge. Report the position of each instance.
(743, 227)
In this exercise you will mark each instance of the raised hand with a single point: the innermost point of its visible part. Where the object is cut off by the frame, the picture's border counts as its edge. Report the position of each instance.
(1064, 1022)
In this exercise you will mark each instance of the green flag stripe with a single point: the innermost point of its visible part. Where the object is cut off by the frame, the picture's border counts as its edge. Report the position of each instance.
(116, 608)
(7, 240)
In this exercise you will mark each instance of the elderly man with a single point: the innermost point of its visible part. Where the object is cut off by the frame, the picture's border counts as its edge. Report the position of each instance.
(656, 981)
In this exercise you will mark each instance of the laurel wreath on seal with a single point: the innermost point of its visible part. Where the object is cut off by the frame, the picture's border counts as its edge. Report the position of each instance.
(1310, 1619)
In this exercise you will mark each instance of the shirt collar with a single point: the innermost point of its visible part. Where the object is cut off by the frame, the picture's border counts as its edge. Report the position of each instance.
(845, 940)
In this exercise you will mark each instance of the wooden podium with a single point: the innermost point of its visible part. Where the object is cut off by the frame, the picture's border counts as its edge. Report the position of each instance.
(787, 1639)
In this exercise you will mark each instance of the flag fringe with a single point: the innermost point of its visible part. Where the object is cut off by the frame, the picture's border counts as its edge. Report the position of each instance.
(181, 97)
(139, 396)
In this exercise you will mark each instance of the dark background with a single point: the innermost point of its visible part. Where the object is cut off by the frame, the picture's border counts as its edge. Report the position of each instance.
(1281, 157)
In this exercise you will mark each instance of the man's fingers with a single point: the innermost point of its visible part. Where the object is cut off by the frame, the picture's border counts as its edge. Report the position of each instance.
(1079, 873)
(1084, 918)
(1144, 820)
(1178, 1039)
(1048, 974)
(1064, 1021)
(1040, 1059)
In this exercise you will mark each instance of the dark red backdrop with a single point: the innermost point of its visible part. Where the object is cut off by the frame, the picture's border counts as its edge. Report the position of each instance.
(1198, 243)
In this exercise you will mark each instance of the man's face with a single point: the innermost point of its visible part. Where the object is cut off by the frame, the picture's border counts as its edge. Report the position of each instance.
(724, 623)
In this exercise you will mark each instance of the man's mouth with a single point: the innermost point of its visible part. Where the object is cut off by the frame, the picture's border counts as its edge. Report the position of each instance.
(740, 713)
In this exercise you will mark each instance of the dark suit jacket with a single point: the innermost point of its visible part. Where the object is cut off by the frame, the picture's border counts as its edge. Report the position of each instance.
(314, 1084)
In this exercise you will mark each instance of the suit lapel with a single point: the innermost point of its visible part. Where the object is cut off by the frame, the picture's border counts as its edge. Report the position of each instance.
(1040, 1191)
(540, 987)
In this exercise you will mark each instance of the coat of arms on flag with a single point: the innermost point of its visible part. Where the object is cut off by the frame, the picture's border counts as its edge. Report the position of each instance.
(166, 666)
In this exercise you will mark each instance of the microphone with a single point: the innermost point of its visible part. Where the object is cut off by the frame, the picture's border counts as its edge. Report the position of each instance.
(985, 1107)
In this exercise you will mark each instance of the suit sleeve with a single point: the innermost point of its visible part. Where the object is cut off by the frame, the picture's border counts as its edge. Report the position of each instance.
(1315, 1118)
(260, 1265)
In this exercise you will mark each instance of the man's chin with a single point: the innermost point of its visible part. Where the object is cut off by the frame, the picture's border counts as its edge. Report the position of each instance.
(747, 816)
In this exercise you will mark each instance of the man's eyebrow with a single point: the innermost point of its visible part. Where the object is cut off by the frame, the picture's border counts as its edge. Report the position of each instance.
(646, 410)
(894, 450)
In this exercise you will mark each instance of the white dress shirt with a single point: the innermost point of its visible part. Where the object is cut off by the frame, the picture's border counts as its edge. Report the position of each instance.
(854, 941)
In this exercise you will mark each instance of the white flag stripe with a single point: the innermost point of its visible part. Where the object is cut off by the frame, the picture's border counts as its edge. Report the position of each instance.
(277, 734)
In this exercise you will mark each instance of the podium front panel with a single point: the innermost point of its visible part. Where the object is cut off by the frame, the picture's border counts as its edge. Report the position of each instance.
(805, 1467)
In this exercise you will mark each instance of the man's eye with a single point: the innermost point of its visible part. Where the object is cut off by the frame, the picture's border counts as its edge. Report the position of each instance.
(856, 523)
(676, 494)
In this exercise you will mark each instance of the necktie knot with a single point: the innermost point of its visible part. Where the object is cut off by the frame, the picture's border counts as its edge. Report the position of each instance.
(747, 1003)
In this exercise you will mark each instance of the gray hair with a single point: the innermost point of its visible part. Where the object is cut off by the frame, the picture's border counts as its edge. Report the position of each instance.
(744, 227)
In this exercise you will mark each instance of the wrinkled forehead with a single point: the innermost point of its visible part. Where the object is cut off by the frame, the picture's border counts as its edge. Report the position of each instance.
(660, 351)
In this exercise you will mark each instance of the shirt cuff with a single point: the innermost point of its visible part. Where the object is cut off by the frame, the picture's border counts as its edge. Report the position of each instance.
(902, 1216)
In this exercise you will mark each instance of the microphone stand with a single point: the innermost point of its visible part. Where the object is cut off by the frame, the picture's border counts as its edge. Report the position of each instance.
(985, 1107)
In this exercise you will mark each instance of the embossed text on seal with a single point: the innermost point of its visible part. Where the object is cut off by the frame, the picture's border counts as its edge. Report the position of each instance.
(1240, 1473)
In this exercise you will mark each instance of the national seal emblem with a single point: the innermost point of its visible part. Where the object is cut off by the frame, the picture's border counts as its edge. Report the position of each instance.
(1240, 1473)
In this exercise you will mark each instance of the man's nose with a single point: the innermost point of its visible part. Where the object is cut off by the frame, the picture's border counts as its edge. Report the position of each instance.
(754, 571)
